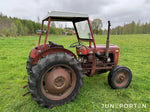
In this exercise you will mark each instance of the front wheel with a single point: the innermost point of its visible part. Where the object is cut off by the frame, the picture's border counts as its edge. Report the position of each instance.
(56, 79)
(119, 77)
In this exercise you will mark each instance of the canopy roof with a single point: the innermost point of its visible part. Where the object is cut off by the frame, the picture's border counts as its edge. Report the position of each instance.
(65, 16)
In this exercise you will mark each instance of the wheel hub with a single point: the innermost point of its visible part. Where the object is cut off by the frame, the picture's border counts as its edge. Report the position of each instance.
(57, 81)
(121, 79)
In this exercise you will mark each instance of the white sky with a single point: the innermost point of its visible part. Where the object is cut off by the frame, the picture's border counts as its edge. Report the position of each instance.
(117, 11)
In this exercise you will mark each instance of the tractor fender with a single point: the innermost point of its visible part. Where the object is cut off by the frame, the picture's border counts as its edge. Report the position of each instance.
(45, 52)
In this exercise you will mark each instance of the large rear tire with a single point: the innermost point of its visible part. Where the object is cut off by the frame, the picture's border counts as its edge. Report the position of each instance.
(56, 79)
(119, 77)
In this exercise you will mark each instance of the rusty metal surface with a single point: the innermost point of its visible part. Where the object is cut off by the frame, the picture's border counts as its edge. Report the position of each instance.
(47, 50)
(92, 62)
(94, 51)
(60, 81)
(99, 48)
(57, 81)
(121, 78)
(25, 86)
(26, 93)
(107, 41)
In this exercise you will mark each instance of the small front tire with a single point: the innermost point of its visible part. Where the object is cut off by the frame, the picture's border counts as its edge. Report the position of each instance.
(119, 77)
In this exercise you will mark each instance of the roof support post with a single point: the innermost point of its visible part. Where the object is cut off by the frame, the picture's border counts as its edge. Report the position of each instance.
(76, 30)
(49, 20)
(40, 35)
(92, 34)
(94, 60)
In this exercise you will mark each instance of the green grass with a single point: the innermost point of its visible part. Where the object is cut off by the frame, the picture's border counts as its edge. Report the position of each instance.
(134, 53)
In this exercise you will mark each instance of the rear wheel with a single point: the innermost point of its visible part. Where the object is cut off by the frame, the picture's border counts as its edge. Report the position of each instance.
(56, 79)
(119, 77)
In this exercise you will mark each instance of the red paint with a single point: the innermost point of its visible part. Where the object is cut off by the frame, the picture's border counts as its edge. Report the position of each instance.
(93, 40)
(99, 48)
(94, 51)
(86, 51)
(45, 50)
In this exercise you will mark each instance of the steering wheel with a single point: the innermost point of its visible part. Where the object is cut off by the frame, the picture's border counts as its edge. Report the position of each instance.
(75, 44)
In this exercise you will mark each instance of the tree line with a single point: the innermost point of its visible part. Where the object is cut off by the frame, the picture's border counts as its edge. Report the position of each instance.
(19, 27)
(132, 28)
(16, 27)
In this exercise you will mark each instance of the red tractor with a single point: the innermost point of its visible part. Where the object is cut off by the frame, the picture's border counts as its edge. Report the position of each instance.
(56, 73)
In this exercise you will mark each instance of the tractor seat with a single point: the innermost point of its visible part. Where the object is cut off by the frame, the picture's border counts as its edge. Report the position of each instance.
(53, 45)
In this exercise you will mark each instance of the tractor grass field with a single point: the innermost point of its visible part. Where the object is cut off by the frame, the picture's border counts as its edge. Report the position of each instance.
(95, 95)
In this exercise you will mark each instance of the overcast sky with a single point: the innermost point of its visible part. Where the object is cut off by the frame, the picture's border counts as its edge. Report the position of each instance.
(117, 11)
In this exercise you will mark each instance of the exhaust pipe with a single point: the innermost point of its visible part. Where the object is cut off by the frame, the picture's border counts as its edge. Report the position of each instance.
(107, 42)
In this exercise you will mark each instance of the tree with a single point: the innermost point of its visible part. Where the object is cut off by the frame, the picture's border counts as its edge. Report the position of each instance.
(13, 29)
(96, 25)
(132, 27)
(37, 26)
(138, 27)
(52, 30)
(1, 14)
(100, 31)
(26, 30)
(6, 32)
(105, 32)
(30, 26)
(19, 27)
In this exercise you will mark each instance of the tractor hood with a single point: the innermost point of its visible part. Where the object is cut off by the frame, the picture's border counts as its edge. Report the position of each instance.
(84, 50)
(103, 47)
